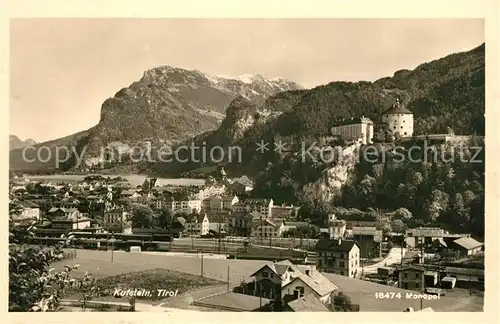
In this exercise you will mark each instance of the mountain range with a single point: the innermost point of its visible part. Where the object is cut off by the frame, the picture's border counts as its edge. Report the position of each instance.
(179, 107)
(167, 105)
(16, 143)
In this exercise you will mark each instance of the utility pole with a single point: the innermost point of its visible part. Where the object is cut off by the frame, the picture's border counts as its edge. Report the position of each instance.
(260, 295)
(261, 231)
(422, 251)
(220, 236)
(402, 253)
(192, 232)
(171, 231)
(228, 278)
(202, 264)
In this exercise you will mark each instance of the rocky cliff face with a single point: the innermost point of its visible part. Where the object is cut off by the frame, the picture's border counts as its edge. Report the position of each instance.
(334, 177)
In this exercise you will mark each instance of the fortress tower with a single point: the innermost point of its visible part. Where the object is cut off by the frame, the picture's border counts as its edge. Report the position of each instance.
(399, 119)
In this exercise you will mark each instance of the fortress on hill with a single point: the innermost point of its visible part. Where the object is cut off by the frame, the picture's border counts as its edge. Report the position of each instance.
(399, 120)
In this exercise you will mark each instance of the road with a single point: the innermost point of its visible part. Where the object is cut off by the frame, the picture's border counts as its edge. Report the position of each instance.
(393, 257)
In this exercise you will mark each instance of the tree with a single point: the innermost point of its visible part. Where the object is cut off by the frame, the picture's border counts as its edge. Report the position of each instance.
(403, 213)
(165, 217)
(35, 286)
(398, 226)
(342, 303)
(379, 135)
(141, 216)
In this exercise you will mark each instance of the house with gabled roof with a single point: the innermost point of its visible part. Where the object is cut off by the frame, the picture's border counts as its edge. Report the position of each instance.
(286, 281)
(467, 246)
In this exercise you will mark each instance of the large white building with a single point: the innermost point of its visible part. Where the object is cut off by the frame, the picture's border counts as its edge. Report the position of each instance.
(399, 120)
(359, 130)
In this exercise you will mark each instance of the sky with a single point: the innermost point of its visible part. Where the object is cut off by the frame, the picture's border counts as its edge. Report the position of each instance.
(62, 70)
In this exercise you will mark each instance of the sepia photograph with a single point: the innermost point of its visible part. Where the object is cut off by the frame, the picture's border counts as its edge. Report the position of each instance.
(246, 165)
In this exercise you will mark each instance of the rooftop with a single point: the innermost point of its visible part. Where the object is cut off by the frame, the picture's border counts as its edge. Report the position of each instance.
(397, 108)
(468, 243)
(465, 271)
(352, 121)
(334, 245)
(308, 303)
(233, 301)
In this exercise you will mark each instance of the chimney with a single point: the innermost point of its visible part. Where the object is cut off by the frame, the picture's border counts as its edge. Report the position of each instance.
(307, 272)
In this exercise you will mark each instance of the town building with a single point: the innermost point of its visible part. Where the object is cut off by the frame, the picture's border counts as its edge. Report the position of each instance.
(285, 212)
(211, 190)
(338, 256)
(262, 206)
(197, 224)
(216, 203)
(229, 201)
(359, 130)
(182, 203)
(217, 220)
(467, 246)
(415, 237)
(116, 220)
(25, 210)
(70, 223)
(399, 120)
(465, 276)
(336, 227)
(240, 222)
(369, 240)
(56, 212)
(130, 194)
(286, 281)
(412, 278)
(289, 228)
(266, 228)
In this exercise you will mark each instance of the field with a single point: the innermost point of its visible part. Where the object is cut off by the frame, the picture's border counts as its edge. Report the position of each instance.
(362, 292)
(150, 280)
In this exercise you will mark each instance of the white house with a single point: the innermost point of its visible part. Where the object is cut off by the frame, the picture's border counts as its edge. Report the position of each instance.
(282, 279)
(359, 130)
